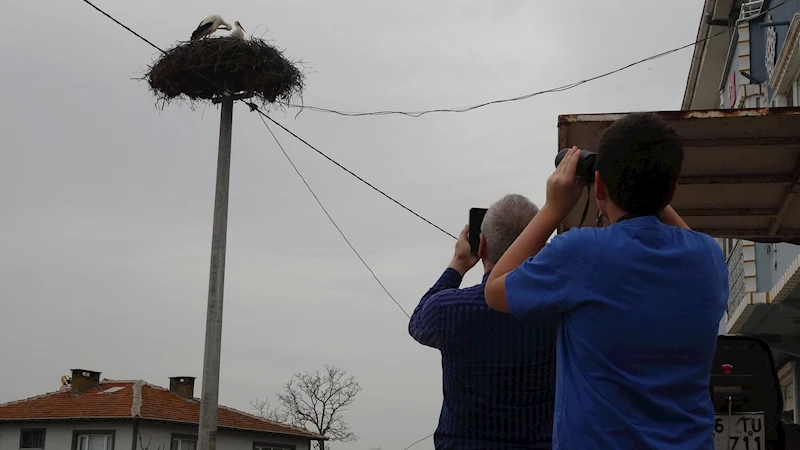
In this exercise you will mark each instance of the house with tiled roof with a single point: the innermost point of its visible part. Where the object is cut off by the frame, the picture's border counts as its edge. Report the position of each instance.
(88, 413)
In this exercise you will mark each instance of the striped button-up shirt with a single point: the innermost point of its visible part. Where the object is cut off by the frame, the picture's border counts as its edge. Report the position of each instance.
(498, 373)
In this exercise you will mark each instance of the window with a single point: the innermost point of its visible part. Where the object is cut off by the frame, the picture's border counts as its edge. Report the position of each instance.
(183, 442)
(31, 438)
(93, 440)
(793, 97)
(265, 446)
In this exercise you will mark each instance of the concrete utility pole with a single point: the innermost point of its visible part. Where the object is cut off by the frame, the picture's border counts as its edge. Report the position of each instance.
(209, 400)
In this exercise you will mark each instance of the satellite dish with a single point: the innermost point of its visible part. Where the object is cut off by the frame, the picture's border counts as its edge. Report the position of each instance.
(65, 380)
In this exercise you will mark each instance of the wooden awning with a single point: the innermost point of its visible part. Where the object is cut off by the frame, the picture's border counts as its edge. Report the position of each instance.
(741, 171)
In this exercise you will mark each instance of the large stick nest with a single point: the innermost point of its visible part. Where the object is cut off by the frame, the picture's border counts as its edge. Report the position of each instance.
(211, 67)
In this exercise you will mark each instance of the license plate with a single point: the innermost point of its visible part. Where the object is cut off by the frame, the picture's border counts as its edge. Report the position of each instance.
(739, 432)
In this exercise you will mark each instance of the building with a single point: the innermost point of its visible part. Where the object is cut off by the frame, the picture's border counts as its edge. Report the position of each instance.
(748, 56)
(92, 414)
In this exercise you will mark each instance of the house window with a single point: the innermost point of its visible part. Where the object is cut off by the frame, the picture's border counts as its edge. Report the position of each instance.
(183, 442)
(94, 440)
(265, 446)
(794, 93)
(31, 438)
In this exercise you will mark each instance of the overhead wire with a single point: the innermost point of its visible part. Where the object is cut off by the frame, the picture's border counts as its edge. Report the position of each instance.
(325, 210)
(419, 441)
(563, 88)
(454, 110)
(255, 107)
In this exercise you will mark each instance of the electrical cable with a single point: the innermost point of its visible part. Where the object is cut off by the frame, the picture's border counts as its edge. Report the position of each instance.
(463, 109)
(254, 107)
(563, 88)
(319, 202)
(264, 115)
(586, 208)
(417, 442)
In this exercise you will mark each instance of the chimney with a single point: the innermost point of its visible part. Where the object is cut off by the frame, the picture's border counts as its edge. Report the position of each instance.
(83, 380)
(182, 386)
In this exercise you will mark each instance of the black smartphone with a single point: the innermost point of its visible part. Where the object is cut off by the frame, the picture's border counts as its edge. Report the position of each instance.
(475, 221)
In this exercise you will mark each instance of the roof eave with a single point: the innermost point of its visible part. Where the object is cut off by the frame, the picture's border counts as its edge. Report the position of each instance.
(697, 57)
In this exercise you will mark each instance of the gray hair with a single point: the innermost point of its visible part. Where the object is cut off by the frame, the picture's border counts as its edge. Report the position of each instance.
(504, 222)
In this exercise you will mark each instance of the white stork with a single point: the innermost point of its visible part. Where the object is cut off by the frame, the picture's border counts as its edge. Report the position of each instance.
(238, 31)
(209, 25)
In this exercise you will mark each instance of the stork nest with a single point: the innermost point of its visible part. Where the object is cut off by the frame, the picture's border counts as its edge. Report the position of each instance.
(209, 68)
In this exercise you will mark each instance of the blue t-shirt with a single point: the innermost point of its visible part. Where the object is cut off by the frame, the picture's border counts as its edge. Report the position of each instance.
(640, 306)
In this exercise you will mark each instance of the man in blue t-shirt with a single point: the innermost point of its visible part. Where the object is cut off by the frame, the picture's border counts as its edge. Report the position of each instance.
(640, 300)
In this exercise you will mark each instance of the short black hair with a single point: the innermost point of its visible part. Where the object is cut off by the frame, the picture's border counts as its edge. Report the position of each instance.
(639, 159)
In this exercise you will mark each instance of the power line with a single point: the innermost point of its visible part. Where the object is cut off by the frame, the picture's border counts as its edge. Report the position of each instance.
(420, 113)
(255, 107)
(264, 115)
(123, 25)
(319, 202)
(563, 88)
(417, 442)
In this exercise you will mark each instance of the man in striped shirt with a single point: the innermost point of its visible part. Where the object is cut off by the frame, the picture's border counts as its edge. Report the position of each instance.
(498, 373)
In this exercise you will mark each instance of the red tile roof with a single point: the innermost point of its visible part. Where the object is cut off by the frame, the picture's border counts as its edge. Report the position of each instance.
(134, 399)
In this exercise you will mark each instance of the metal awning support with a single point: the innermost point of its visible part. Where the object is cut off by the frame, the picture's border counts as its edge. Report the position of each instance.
(786, 202)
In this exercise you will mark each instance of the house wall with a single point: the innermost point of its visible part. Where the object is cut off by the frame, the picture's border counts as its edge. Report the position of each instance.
(59, 434)
(154, 436)
(772, 261)
(758, 41)
(159, 437)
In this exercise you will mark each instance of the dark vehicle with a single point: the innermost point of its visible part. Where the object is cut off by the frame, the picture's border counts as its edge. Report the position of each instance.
(747, 398)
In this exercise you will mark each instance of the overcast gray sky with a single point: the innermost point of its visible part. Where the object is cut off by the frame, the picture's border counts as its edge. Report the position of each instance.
(107, 202)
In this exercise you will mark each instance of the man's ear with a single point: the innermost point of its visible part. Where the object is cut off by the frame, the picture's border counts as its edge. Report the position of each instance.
(600, 190)
(482, 248)
(674, 191)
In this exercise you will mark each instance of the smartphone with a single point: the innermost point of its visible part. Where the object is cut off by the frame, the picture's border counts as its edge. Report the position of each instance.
(475, 221)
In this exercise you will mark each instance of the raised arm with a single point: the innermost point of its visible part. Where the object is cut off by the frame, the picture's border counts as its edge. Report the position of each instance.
(424, 323)
(563, 191)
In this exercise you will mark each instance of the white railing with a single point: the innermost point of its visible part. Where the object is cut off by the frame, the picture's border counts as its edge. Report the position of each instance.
(735, 278)
(750, 9)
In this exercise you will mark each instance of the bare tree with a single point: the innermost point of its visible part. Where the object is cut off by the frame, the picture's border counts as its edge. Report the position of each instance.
(317, 400)
(264, 410)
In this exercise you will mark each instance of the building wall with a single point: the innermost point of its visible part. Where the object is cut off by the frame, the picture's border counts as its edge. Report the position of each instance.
(758, 34)
(154, 436)
(758, 38)
(159, 437)
(772, 261)
(59, 435)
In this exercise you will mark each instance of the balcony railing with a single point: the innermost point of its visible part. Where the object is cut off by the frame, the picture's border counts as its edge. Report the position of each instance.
(735, 278)
(751, 9)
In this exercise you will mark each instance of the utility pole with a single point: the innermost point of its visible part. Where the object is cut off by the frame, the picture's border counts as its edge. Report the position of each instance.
(209, 400)
(201, 71)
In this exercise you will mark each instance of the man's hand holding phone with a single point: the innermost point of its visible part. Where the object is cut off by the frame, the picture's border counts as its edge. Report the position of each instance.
(463, 259)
